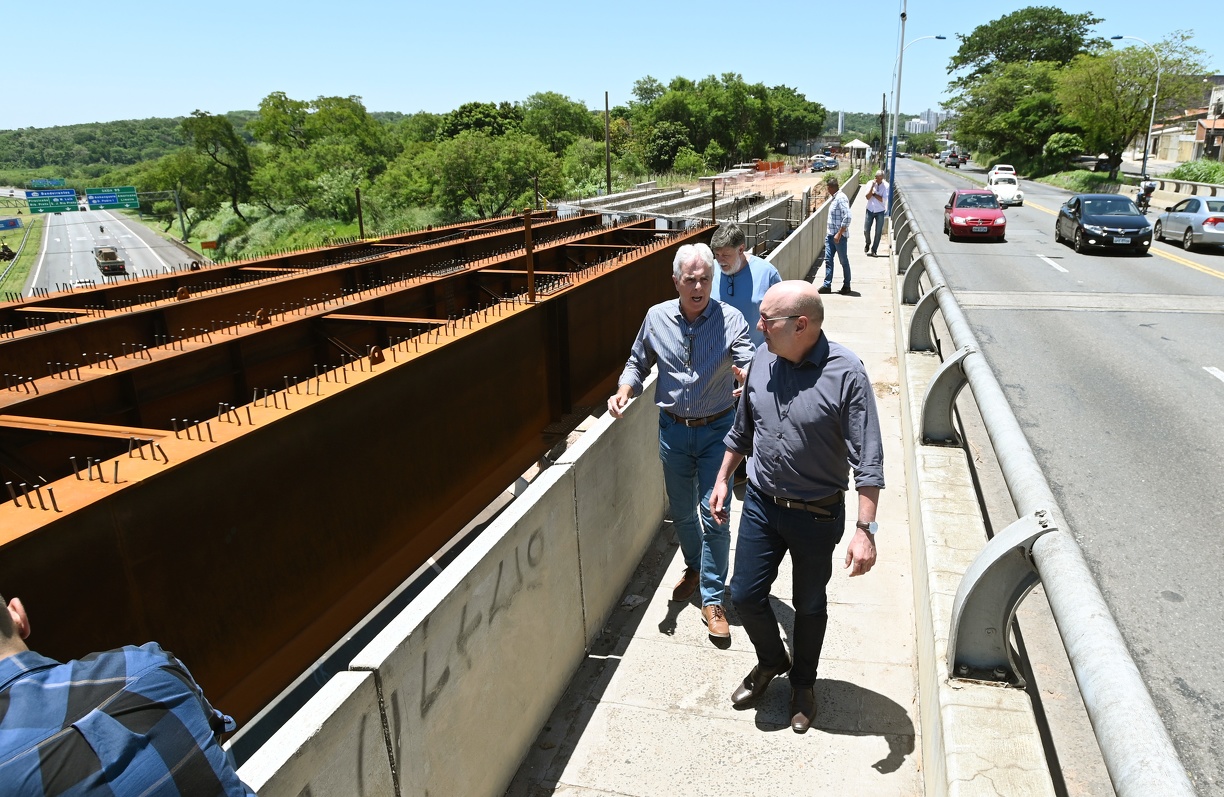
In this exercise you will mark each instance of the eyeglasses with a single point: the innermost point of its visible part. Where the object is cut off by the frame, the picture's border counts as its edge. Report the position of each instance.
(731, 284)
(767, 319)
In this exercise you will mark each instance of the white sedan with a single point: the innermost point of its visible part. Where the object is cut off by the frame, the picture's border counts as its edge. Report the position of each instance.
(1007, 189)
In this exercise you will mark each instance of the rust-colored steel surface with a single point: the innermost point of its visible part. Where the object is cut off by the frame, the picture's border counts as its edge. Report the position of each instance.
(244, 473)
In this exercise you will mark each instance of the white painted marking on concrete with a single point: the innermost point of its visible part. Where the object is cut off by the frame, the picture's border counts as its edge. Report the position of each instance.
(1216, 372)
(41, 255)
(1052, 263)
(115, 220)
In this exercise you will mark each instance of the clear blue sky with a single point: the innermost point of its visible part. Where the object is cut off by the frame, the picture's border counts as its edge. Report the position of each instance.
(140, 59)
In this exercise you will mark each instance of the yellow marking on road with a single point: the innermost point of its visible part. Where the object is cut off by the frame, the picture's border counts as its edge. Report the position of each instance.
(1211, 272)
(1028, 204)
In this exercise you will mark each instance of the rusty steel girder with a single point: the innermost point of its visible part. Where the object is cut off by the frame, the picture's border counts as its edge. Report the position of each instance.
(247, 494)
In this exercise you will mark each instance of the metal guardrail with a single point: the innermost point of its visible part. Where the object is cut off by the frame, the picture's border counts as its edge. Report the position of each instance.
(1188, 187)
(1039, 547)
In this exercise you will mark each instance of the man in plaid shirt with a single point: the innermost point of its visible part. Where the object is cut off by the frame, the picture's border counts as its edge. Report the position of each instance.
(125, 722)
(837, 238)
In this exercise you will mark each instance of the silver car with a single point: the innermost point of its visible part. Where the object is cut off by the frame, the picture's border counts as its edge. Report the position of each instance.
(1195, 221)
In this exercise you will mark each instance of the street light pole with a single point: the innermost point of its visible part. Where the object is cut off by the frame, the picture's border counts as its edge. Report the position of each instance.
(1147, 144)
(892, 159)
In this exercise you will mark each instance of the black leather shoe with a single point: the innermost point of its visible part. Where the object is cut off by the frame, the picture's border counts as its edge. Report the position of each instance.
(756, 683)
(803, 708)
(824, 289)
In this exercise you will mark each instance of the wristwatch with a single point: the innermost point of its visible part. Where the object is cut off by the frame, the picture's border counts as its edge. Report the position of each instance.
(870, 528)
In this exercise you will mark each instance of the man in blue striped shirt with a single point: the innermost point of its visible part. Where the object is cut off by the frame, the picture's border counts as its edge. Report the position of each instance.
(700, 346)
(837, 238)
(125, 722)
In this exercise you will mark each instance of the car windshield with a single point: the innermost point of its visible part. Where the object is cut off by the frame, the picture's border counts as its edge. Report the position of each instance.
(1215, 205)
(1005, 181)
(977, 201)
(1110, 206)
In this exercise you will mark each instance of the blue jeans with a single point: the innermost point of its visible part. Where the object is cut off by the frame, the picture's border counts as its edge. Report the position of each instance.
(876, 216)
(840, 248)
(766, 532)
(691, 459)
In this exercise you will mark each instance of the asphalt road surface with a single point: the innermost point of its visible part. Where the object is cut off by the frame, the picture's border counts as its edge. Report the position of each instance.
(1114, 366)
(69, 240)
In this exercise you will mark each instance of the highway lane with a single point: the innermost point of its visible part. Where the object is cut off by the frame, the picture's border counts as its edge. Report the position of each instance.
(1114, 366)
(69, 240)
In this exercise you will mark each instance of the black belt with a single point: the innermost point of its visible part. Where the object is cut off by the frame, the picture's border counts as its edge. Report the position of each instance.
(816, 507)
(698, 421)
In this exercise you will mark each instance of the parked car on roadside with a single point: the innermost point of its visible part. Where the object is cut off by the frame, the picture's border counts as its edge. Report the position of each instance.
(1193, 221)
(1103, 221)
(1006, 189)
(974, 213)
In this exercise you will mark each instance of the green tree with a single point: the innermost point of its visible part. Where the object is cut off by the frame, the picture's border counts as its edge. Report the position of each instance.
(664, 141)
(796, 118)
(493, 119)
(487, 175)
(920, 143)
(1062, 149)
(689, 162)
(1011, 110)
(420, 126)
(216, 138)
(583, 167)
(1035, 33)
(557, 120)
(1109, 95)
(646, 90)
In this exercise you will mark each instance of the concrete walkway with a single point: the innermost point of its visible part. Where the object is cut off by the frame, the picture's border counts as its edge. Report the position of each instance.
(649, 712)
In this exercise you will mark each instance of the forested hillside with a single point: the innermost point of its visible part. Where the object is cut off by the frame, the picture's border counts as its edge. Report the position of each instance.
(287, 173)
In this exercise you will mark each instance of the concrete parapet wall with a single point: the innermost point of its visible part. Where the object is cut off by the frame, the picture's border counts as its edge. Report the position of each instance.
(450, 695)
(978, 739)
(797, 255)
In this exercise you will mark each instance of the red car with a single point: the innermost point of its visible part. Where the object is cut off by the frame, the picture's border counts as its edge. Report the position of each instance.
(974, 213)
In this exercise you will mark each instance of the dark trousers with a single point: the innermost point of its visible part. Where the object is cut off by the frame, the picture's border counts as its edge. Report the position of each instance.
(766, 532)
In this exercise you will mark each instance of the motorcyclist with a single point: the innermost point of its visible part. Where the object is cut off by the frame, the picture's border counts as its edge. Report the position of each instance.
(1146, 187)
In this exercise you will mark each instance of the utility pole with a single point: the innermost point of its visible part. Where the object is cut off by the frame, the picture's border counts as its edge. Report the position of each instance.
(608, 142)
(179, 208)
(883, 116)
(360, 221)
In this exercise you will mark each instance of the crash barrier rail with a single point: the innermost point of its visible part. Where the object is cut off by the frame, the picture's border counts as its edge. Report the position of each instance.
(1187, 187)
(804, 248)
(451, 694)
(1039, 547)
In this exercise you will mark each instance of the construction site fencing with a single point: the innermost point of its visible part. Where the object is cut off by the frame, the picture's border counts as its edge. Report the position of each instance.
(1038, 548)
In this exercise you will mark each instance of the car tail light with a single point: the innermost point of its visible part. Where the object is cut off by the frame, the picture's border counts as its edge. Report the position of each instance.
(1213, 221)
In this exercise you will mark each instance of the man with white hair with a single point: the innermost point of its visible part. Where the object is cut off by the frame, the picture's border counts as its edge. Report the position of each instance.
(700, 346)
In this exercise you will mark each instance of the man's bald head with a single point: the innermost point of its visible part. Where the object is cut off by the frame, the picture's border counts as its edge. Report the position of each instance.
(797, 314)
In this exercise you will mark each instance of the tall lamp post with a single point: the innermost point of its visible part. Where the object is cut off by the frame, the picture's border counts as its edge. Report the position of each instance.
(892, 158)
(1147, 144)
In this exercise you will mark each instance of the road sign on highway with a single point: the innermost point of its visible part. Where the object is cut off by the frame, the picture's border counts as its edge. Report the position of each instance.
(103, 198)
(43, 182)
(54, 201)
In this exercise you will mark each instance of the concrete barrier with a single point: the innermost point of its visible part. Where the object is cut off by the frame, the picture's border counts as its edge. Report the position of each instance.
(797, 255)
(459, 684)
(334, 745)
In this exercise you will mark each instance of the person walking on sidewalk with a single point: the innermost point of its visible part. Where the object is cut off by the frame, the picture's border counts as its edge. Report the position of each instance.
(808, 416)
(837, 237)
(877, 208)
(701, 347)
(744, 278)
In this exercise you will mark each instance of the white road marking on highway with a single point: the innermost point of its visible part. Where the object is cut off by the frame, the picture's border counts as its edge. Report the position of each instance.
(1216, 372)
(152, 251)
(43, 254)
(1052, 263)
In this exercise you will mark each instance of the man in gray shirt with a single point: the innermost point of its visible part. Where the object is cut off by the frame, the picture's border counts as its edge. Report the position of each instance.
(808, 415)
(700, 346)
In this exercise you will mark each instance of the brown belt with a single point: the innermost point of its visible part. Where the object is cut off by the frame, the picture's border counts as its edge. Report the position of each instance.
(816, 507)
(698, 421)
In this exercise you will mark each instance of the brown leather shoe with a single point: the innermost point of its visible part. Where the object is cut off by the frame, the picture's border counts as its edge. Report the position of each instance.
(756, 683)
(803, 708)
(686, 586)
(716, 620)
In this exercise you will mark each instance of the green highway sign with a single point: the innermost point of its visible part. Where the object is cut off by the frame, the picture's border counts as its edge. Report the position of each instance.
(103, 198)
(53, 201)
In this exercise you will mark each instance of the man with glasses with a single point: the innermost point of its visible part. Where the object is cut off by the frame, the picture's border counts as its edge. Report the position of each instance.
(700, 346)
(807, 415)
(744, 278)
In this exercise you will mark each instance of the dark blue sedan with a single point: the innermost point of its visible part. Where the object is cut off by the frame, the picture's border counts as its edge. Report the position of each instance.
(1103, 221)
